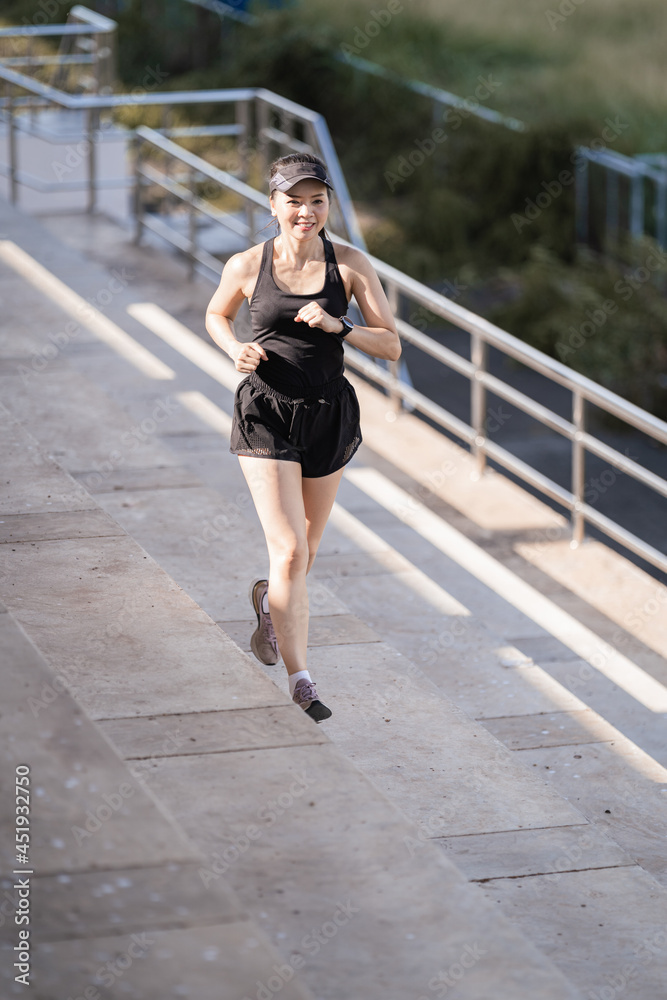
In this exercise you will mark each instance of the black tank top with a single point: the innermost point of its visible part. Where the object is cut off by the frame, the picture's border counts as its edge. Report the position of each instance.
(299, 355)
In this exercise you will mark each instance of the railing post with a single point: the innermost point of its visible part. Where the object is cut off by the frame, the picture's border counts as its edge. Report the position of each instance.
(250, 221)
(637, 206)
(137, 194)
(661, 213)
(192, 223)
(243, 141)
(479, 355)
(581, 201)
(288, 126)
(394, 366)
(13, 153)
(611, 215)
(91, 128)
(578, 469)
(262, 113)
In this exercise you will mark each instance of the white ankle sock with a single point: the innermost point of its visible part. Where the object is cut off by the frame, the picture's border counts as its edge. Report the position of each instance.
(265, 602)
(298, 676)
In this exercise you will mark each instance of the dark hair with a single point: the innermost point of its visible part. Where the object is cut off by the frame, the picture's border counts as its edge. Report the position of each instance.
(285, 161)
(291, 158)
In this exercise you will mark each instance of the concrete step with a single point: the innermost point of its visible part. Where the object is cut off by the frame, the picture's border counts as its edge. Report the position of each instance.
(113, 885)
(266, 797)
(449, 775)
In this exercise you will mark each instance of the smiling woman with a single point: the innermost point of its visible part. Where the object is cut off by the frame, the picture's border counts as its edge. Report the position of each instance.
(296, 416)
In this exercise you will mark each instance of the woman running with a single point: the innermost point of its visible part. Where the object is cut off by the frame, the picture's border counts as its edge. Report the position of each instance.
(296, 417)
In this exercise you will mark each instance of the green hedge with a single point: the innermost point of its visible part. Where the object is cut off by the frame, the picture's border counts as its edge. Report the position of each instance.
(605, 319)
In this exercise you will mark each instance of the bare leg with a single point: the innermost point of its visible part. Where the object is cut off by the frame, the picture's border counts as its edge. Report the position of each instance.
(276, 491)
(318, 499)
(293, 513)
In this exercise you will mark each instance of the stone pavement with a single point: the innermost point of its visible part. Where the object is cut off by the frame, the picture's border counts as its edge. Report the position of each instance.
(485, 809)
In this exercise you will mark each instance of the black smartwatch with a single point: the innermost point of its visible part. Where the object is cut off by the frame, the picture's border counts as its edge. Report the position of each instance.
(348, 327)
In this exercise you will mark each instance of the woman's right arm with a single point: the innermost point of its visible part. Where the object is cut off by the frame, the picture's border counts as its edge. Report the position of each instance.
(223, 307)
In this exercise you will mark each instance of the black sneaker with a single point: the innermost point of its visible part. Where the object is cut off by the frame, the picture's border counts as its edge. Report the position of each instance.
(305, 695)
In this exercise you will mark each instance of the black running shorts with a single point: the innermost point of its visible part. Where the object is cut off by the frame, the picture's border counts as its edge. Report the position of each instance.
(316, 426)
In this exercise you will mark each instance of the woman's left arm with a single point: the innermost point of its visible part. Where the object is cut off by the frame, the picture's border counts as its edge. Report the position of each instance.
(379, 338)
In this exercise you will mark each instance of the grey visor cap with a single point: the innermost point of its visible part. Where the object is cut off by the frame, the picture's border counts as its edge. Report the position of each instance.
(292, 173)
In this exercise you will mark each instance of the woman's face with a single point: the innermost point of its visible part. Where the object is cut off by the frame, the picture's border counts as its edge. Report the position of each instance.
(303, 210)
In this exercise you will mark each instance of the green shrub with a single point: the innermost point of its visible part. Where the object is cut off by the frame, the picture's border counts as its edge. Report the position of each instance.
(606, 320)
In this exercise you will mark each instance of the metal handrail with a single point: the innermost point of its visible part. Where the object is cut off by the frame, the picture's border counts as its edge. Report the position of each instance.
(265, 100)
(83, 22)
(636, 170)
(483, 334)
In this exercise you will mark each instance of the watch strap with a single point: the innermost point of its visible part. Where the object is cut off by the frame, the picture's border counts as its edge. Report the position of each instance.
(348, 326)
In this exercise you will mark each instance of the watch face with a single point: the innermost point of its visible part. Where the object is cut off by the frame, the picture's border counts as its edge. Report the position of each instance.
(347, 325)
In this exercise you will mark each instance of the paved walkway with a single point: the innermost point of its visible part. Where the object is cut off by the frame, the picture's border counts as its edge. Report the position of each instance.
(483, 816)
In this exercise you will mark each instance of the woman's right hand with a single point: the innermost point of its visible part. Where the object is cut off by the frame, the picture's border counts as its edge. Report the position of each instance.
(246, 357)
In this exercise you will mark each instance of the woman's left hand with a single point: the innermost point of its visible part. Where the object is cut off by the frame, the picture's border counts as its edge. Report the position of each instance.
(314, 315)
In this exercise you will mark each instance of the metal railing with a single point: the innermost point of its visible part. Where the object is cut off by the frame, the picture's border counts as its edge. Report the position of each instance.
(151, 144)
(645, 179)
(88, 41)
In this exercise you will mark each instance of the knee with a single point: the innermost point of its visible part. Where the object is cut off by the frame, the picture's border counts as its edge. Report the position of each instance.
(292, 559)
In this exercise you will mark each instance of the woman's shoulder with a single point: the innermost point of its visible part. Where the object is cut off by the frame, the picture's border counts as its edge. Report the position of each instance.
(244, 266)
(351, 257)
(246, 261)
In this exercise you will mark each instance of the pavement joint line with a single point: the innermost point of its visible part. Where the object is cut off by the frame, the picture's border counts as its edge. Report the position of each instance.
(522, 829)
(354, 642)
(209, 753)
(143, 489)
(204, 711)
(553, 746)
(83, 311)
(58, 538)
(556, 871)
(153, 925)
(139, 866)
(534, 715)
(558, 623)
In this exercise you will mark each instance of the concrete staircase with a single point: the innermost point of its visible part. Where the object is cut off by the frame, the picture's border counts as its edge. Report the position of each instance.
(484, 815)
